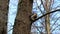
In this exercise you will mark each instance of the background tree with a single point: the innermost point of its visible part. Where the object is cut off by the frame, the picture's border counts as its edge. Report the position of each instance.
(3, 16)
(43, 11)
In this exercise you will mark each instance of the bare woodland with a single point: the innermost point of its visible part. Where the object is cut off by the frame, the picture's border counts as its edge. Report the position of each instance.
(23, 23)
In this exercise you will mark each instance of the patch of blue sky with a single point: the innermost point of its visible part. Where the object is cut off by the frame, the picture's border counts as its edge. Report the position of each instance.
(56, 32)
(54, 16)
(13, 4)
(34, 29)
(38, 24)
(35, 5)
(42, 8)
(38, 2)
(56, 24)
(58, 15)
(56, 3)
(58, 21)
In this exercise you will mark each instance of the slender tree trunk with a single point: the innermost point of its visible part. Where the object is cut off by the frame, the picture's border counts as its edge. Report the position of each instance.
(47, 22)
(22, 22)
(47, 19)
(3, 16)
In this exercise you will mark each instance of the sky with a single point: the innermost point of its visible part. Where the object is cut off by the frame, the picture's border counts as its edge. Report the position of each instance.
(13, 4)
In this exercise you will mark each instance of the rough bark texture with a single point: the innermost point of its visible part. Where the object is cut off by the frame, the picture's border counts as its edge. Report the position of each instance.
(3, 16)
(22, 22)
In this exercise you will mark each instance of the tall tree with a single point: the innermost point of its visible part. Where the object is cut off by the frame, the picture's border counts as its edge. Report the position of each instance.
(22, 23)
(3, 16)
(47, 8)
(47, 19)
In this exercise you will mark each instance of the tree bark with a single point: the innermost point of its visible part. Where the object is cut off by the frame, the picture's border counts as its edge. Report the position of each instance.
(47, 19)
(22, 22)
(47, 23)
(3, 16)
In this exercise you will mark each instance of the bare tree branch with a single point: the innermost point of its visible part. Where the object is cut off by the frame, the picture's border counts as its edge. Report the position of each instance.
(46, 14)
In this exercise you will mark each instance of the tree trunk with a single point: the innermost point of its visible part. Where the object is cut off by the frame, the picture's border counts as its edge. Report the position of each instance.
(3, 16)
(47, 19)
(22, 22)
(47, 22)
